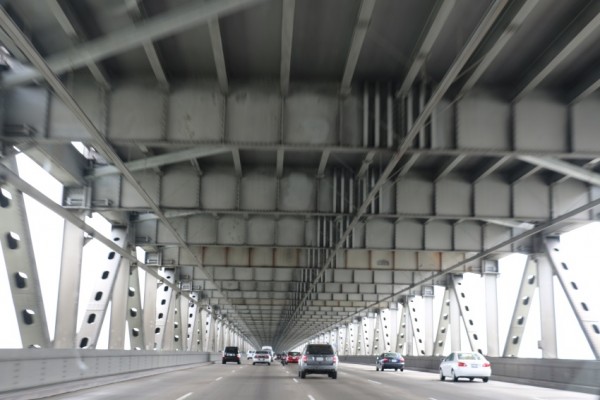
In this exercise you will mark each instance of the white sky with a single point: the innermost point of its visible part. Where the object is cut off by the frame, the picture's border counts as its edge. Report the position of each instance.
(580, 246)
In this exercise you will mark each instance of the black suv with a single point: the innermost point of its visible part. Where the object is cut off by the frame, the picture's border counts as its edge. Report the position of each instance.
(318, 359)
(231, 353)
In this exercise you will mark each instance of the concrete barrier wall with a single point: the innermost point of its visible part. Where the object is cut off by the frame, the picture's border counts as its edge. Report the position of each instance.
(33, 368)
(575, 375)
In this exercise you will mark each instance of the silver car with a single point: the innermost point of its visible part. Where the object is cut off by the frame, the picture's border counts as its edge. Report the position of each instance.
(465, 364)
(318, 359)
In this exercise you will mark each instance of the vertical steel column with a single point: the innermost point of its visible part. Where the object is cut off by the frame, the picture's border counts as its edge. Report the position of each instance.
(413, 315)
(444, 321)
(490, 271)
(211, 331)
(409, 330)
(547, 315)
(150, 296)
(587, 320)
(178, 338)
(390, 116)
(360, 337)
(366, 115)
(203, 329)
(378, 337)
(428, 294)
(455, 339)
(522, 307)
(352, 339)
(20, 266)
(386, 328)
(377, 116)
(118, 307)
(163, 309)
(193, 318)
(135, 319)
(68, 286)
(466, 313)
(401, 338)
(392, 323)
(87, 338)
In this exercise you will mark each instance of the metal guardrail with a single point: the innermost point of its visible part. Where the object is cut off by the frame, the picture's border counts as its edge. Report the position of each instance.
(574, 375)
(51, 371)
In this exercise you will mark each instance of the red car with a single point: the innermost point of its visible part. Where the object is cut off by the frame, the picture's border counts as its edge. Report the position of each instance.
(293, 357)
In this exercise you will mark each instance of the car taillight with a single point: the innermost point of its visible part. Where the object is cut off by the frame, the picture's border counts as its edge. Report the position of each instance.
(462, 364)
(384, 360)
(305, 358)
(486, 365)
(334, 359)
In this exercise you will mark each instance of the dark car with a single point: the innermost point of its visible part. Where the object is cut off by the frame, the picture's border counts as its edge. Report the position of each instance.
(231, 353)
(318, 359)
(390, 361)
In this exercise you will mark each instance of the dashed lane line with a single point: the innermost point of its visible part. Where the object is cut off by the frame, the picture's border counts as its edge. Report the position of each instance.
(185, 396)
(310, 397)
(375, 382)
(219, 378)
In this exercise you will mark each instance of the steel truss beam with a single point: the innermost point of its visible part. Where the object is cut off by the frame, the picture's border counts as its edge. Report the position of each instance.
(21, 268)
(89, 331)
(588, 320)
(155, 28)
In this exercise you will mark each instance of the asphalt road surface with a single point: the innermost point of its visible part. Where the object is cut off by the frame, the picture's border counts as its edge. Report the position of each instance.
(277, 382)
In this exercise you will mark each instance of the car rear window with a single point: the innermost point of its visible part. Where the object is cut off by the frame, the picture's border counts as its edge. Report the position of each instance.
(391, 355)
(319, 349)
(468, 356)
(294, 353)
(262, 352)
(231, 349)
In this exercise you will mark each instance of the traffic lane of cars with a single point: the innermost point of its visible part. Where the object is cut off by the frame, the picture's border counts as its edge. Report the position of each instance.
(427, 385)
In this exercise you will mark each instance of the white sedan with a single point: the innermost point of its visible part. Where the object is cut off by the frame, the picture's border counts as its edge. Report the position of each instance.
(462, 364)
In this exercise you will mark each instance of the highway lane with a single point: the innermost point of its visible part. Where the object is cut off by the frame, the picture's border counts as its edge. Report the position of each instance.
(276, 382)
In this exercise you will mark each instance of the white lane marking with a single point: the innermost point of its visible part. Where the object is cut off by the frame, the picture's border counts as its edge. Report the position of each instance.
(375, 382)
(432, 398)
(295, 380)
(185, 396)
(219, 378)
(310, 397)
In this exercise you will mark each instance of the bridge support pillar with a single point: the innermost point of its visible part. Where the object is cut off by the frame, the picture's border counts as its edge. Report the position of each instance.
(428, 294)
(490, 270)
(547, 316)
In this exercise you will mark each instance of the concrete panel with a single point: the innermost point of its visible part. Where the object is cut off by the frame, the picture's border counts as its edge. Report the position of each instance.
(585, 123)
(429, 260)
(165, 235)
(231, 230)
(351, 120)
(145, 232)
(325, 193)
(540, 124)
(297, 192)
(531, 198)
(311, 117)
(106, 191)
(449, 259)
(223, 273)
(379, 234)
(358, 235)
(263, 274)
(381, 259)
(238, 256)
(361, 276)
(387, 198)
(261, 231)
(253, 114)
(261, 257)
(244, 275)
(351, 288)
(26, 106)
(494, 235)
(468, 236)
(492, 197)
(343, 276)
(202, 229)
(185, 257)
(218, 189)
(357, 259)
(137, 112)
(438, 235)
(403, 277)
(366, 289)
(442, 126)
(286, 257)
(414, 195)
(63, 124)
(382, 276)
(290, 231)
(170, 256)
(569, 195)
(409, 234)
(483, 122)
(180, 187)
(196, 113)
(453, 196)
(405, 260)
(282, 275)
(149, 181)
(214, 256)
(258, 190)
(385, 289)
